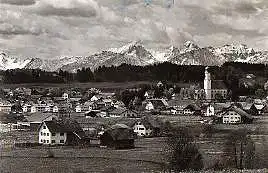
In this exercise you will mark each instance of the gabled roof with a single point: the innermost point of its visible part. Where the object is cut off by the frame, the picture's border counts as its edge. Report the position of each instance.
(259, 106)
(65, 126)
(148, 122)
(120, 132)
(237, 110)
(193, 107)
(39, 117)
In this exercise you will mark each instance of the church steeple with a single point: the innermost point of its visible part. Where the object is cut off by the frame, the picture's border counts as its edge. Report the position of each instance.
(207, 84)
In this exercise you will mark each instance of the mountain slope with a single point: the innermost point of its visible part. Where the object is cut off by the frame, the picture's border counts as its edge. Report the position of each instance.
(135, 53)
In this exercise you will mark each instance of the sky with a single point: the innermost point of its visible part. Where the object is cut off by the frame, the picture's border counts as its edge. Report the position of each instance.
(55, 28)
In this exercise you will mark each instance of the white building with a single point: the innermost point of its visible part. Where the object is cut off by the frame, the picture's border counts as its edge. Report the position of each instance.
(207, 84)
(214, 88)
(65, 96)
(55, 109)
(235, 115)
(5, 106)
(140, 129)
(149, 106)
(210, 111)
(94, 98)
(50, 133)
(78, 109)
(33, 109)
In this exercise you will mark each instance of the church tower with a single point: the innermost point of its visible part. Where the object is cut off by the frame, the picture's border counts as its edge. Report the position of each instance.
(207, 84)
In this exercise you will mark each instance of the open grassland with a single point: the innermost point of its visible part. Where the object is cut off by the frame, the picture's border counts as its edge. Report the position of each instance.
(150, 154)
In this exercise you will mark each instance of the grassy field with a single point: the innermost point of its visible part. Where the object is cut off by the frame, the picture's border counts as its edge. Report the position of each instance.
(150, 154)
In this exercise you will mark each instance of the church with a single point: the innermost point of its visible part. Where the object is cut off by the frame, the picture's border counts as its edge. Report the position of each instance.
(213, 88)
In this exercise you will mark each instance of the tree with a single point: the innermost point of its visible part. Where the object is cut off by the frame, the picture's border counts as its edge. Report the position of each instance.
(184, 153)
(260, 93)
(218, 97)
(240, 149)
(127, 97)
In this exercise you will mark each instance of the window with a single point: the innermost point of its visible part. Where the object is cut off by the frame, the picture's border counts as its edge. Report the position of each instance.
(44, 134)
(41, 140)
(53, 134)
(141, 128)
(61, 141)
(53, 141)
(44, 127)
(47, 141)
(41, 133)
(61, 134)
(47, 134)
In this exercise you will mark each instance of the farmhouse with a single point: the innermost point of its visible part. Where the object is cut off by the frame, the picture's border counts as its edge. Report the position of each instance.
(209, 111)
(65, 132)
(146, 127)
(156, 104)
(234, 115)
(123, 112)
(65, 96)
(119, 136)
(78, 109)
(35, 119)
(5, 106)
(192, 109)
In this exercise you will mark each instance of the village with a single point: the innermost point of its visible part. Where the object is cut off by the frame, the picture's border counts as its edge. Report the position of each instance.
(106, 119)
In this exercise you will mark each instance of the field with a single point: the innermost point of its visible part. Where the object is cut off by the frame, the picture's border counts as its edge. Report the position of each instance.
(150, 154)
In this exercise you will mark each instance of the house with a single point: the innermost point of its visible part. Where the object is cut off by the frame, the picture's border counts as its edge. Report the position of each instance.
(260, 108)
(234, 115)
(192, 109)
(118, 104)
(78, 109)
(119, 136)
(149, 106)
(65, 96)
(156, 104)
(5, 106)
(55, 109)
(64, 132)
(250, 108)
(146, 127)
(159, 84)
(209, 111)
(33, 109)
(35, 119)
(94, 98)
(123, 112)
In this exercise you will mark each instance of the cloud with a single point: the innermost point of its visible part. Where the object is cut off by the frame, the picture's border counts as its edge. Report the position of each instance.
(9, 29)
(18, 2)
(52, 28)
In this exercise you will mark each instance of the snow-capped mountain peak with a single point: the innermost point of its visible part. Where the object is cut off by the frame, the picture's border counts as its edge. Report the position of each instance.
(7, 62)
(189, 46)
(126, 48)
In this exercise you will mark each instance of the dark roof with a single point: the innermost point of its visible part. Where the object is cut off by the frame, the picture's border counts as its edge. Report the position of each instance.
(120, 132)
(65, 126)
(193, 107)
(38, 117)
(148, 122)
(218, 84)
(237, 110)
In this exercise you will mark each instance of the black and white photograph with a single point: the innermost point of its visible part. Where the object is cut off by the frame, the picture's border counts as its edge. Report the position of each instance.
(133, 86)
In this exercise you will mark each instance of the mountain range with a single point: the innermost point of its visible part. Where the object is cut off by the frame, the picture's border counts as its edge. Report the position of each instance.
(135, 53)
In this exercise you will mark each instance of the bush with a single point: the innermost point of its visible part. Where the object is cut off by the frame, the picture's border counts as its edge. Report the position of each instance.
(184, 153)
